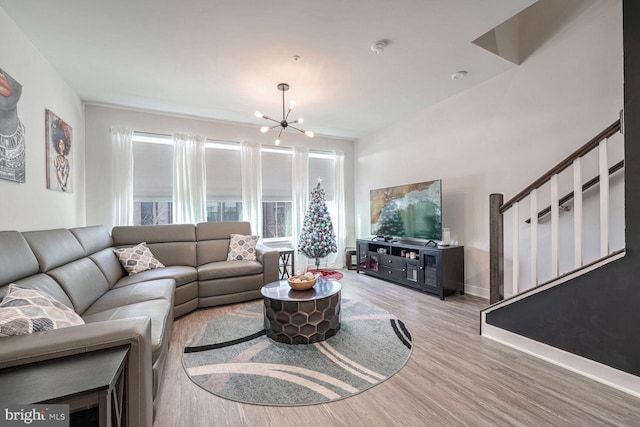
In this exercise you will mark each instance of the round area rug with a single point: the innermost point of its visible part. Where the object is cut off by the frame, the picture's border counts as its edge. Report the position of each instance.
(233, 358)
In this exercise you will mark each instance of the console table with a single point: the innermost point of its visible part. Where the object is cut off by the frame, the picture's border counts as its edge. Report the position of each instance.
(82, 381)
(436, 270)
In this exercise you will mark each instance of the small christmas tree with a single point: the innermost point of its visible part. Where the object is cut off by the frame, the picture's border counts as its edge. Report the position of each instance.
(390, 222)
(317, 239)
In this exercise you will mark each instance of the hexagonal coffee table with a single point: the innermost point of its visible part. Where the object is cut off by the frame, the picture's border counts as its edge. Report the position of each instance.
(301, 317)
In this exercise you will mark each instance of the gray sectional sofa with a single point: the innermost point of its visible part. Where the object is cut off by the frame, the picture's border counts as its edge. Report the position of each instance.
(78, 268)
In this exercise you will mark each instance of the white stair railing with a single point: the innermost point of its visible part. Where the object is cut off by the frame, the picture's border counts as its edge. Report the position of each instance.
(550, 180)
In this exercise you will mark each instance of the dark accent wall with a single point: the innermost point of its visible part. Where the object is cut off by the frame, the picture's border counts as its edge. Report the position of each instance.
(597, 315)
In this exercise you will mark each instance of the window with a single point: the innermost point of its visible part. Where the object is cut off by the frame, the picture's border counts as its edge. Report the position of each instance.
(276, 220)
(224, 182)
(276, 194)
(152, 182)
(152, 213)
(322, 166)
(224, 211)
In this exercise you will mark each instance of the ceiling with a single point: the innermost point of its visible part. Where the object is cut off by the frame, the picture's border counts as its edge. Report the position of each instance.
(223, 59)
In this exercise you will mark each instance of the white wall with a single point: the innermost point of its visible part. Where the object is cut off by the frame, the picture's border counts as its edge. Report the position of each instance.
(502, 135)
(30, 206)
(98, 120)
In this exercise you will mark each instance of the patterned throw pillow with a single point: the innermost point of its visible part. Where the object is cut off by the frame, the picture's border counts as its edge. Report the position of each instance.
(242, 247)
(24, 311)
(137, 259)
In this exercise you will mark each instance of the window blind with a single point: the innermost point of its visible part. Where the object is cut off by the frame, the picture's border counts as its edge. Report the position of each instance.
(224, 175)
(276, 177)
(152, 172)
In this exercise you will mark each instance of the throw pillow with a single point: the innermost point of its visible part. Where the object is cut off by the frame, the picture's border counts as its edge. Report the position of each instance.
(137, 259)
(24, 311)
(242, 247)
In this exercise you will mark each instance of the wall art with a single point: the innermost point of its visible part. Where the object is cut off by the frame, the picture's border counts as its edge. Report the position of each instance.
(12, 140)
(59, 142)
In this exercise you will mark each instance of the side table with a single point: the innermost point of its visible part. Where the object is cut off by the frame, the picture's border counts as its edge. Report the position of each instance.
(286, 261)
(81, 381)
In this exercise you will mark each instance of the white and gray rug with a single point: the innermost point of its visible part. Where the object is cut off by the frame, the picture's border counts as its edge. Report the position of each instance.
(233, 358)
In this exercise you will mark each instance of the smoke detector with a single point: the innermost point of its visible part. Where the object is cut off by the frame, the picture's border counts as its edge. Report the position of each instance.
(378, 46)
(458, 75)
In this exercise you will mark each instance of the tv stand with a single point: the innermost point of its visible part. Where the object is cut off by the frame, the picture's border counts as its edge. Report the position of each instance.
(436, 270)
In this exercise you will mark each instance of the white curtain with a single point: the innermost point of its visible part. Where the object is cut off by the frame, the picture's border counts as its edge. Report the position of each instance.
(251, 161)
(189, 178)
(300, 198)
(336, 260)
(122, 176)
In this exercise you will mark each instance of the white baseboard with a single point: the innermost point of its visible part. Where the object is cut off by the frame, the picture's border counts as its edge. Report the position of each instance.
(476, 291)
(596, 371)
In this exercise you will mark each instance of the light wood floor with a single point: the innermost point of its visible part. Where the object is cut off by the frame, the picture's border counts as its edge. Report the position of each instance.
(454, 377)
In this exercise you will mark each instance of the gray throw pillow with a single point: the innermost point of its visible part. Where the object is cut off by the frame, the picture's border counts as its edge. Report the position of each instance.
(24, 311)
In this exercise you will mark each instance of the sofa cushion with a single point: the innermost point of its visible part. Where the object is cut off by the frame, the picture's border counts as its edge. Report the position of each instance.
(53, 248)
(92, 239)
(181, 274)
(137, 259)
(131, 234)
(16, 258)
(133, 294)
(160, 311)
(213, 239)
(242, 247)
(24, 311)
(107, 261)
(223, 269)
(83, 282)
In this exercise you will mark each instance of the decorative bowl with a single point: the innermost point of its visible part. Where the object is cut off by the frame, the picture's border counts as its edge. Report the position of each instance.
(300, 283)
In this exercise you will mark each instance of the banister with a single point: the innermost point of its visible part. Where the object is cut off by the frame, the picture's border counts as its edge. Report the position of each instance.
(608, 132)
(587, 185)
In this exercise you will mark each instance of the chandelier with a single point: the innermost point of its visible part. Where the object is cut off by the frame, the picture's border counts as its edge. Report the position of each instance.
(284, 123)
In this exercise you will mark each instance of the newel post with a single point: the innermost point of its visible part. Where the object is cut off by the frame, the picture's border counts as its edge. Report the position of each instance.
(496, 249)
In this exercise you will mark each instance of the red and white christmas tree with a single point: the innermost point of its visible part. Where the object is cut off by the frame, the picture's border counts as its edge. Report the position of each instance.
(317, 239)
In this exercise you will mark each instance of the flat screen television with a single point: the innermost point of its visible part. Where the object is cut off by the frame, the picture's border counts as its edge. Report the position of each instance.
(412, 211)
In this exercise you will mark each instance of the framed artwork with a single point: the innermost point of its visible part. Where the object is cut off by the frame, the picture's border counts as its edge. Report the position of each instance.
(12, 141)
(59, 142)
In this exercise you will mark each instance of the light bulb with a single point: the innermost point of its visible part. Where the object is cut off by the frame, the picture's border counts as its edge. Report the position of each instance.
(264, 129)
(309, 133)
(292, 104)
(259, 114)
(277, 141)
(300, 120)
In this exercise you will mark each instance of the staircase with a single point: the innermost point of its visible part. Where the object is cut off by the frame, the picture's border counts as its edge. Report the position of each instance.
(552, 267)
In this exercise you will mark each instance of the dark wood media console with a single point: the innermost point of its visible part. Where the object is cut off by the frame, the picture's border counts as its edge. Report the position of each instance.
(436, 270)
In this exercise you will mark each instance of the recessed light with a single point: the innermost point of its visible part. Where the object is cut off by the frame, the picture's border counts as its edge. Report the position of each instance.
(458, 75)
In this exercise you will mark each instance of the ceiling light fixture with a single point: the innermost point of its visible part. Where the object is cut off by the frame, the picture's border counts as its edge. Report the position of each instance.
(283, 124)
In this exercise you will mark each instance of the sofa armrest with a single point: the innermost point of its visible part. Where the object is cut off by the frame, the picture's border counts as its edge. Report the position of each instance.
(135, 333)
(270, 259)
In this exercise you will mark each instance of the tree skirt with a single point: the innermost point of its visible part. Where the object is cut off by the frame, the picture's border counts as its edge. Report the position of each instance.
(328, 274)
(232, 358)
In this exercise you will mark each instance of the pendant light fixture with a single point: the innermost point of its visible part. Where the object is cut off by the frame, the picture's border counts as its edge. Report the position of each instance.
(284, 123)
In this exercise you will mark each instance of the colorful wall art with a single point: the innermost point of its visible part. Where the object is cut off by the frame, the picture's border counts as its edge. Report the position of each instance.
(59, 136)
(12, 141)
